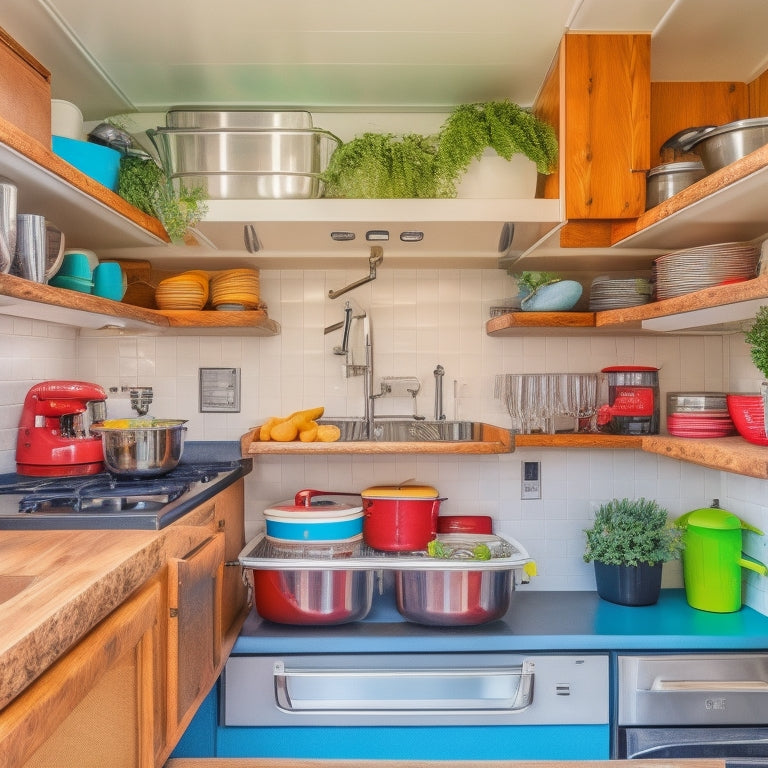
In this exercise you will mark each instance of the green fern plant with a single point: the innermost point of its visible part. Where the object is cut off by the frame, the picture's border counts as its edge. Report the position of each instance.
(757, 338)
(376, 165)
(630, 532)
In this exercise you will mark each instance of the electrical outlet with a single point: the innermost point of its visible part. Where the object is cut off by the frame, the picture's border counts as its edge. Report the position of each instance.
(530, 487)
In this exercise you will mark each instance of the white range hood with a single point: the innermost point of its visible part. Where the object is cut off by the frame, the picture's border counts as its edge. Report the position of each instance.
(413, 233)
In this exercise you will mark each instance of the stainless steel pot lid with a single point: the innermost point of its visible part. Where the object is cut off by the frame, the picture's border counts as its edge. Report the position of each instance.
(738, 125)
(682, 167)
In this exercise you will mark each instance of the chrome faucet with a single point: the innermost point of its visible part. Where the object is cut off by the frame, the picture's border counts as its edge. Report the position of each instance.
(439, 373)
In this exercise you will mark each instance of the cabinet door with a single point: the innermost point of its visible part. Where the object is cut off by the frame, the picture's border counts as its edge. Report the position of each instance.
(194, 630)
(606, 142)
(230, 522)
(96, 706)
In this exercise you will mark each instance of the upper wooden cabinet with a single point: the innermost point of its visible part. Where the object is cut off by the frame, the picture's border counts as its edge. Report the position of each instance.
(597, 94)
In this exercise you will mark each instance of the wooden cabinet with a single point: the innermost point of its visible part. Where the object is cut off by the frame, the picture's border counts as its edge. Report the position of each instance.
(206, 606)
(98, 705)
(230, 521)
(597, 94)
(194, 630)
(124, 694)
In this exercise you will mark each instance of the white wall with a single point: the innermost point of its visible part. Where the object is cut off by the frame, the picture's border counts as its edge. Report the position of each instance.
(420, 318)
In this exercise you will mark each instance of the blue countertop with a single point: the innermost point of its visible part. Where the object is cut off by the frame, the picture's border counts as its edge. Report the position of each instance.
(535, 621)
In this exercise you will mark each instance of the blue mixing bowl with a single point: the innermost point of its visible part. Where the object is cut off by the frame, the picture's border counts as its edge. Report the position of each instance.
(99, 162)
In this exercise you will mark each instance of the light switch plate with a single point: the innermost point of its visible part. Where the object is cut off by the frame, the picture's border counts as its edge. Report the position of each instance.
(530, 487)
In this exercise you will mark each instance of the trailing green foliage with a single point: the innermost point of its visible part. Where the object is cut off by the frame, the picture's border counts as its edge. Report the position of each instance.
(630, 532)
(530, 282)
(384, 165)
(757, 338)
(144, 185)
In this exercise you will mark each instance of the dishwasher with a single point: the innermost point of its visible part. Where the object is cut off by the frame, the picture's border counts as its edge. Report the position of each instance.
(489, 705)
(673, 706)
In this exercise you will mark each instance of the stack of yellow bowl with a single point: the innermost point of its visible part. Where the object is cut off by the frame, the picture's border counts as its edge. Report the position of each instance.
(234, 289)
(188, 290)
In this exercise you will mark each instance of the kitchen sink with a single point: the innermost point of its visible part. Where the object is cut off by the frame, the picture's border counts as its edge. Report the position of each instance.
(407, 430)
(10, 586)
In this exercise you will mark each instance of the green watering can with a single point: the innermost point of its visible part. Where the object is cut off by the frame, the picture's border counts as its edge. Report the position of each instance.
(713, 558)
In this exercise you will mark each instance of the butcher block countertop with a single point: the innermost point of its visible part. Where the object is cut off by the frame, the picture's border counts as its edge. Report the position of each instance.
(55, 586)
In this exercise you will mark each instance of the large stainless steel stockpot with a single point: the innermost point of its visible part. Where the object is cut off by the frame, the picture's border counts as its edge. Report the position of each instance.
(725, 144)
(143, 451)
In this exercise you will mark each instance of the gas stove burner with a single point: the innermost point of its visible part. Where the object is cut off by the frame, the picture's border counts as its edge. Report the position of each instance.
(104, 494)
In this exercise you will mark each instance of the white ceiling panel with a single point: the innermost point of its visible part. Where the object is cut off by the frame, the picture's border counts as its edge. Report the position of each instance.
(147, 55)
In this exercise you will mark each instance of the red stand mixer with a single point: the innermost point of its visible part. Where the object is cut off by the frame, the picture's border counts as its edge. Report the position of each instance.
(54, 438)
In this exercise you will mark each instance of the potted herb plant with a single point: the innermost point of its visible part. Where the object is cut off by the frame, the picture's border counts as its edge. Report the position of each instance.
(629, 542)
(376, 165)
(757, 338)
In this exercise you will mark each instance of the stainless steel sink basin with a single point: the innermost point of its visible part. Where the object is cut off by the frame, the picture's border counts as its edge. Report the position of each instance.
(407, 430)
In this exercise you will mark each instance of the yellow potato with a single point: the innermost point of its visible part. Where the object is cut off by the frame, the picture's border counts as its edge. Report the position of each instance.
(308, 434)
(300, 418)
(284, 432)
(328, 433)
(266, 428)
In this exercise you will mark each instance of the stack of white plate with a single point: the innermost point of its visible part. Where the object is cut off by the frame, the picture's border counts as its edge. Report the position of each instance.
(607, 293)
(694, 269)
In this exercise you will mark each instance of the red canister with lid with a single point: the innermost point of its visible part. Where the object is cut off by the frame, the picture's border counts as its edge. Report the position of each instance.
(633, 401)
(400, 518)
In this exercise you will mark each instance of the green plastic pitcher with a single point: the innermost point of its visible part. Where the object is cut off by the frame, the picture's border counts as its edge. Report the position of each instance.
(713, 559)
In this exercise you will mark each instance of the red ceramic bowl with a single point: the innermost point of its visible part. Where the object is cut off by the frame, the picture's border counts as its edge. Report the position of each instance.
(747, 414)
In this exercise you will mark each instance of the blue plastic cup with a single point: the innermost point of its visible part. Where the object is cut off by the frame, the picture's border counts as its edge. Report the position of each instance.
(108, 281)
(75, 265)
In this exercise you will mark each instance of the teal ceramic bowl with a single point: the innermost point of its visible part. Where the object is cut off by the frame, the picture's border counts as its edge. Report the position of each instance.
(98, 162)
(71, 283)
(555, 297)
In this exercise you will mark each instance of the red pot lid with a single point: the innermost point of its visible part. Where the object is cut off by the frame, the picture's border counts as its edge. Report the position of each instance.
(628, 368)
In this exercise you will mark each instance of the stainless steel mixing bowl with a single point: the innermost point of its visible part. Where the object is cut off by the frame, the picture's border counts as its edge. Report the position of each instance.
(143, 451)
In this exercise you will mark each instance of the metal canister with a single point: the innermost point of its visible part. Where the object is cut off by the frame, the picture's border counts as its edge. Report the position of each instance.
(633, 401)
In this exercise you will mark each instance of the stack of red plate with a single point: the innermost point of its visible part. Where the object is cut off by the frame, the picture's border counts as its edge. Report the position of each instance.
(699, 415)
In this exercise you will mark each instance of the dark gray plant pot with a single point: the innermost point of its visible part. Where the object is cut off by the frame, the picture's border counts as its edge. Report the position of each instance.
(628, 584)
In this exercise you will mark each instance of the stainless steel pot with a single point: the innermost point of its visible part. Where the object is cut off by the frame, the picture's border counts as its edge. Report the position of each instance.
(143, 451)
(666, 180)
(453, 598)
(723, 144)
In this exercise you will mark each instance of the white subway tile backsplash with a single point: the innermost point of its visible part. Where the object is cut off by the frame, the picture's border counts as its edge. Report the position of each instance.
(419, 319)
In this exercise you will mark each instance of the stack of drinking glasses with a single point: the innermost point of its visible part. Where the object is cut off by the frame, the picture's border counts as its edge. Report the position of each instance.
(549, 402)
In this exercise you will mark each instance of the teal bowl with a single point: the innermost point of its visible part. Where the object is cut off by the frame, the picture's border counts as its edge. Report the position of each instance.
(94, 160)
(71, 283)
(555, 297)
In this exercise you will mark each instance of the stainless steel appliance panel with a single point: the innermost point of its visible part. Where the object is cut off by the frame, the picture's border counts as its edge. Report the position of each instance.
(415, 689)
(695, 689)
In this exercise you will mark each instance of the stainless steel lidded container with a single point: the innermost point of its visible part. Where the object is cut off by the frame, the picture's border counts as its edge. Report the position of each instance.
(195, 117)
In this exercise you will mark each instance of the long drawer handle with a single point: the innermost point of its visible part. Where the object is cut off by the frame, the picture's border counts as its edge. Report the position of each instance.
(522, 696)
(710, 685)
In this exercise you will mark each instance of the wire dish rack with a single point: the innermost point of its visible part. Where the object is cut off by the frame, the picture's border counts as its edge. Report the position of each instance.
(262, 553)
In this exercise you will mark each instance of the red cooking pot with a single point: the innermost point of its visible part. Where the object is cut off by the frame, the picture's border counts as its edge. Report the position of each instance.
(400, 517)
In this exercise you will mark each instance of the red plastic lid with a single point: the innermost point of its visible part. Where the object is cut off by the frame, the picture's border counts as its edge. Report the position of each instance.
(628, 368)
